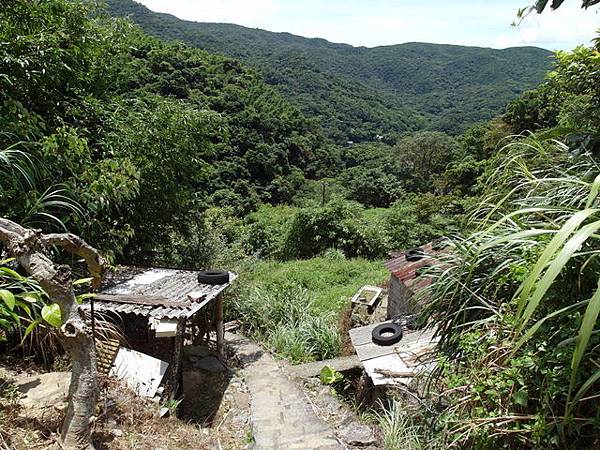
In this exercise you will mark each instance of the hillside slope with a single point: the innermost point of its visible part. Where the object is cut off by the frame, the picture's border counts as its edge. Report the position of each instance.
(360, 92)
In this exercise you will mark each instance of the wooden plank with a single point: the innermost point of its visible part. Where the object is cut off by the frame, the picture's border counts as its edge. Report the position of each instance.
(371, 350)
(149, 300)
(416, 339)
(410, 342)
(361, 335)
(380, 368)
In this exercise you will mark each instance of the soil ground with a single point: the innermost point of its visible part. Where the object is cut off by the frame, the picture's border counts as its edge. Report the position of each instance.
(251, 403)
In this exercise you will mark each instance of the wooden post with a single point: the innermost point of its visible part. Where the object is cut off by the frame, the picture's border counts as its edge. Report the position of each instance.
(176, 375)
(219, 326)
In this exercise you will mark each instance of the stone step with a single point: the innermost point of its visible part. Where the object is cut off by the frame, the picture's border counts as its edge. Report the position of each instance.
(282, 416)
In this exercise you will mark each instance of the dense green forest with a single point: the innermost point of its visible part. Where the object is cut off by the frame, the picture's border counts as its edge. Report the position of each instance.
(160, 153)
(360, 93)
(136, 125)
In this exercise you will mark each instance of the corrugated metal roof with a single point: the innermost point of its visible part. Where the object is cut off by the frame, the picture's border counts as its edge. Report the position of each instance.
(407, 271)
(171, 284)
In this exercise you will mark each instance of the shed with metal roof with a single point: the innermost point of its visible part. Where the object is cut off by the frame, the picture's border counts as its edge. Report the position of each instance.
(159, 309)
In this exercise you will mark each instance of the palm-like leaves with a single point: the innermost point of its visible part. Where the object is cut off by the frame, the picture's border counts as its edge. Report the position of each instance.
(16, 163)
(45, 209)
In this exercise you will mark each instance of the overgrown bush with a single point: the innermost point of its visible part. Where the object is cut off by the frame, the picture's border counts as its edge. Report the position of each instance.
(418, 219)
(339, 224)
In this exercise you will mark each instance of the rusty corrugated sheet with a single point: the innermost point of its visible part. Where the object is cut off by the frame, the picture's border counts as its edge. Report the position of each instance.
(407, 271)
(171, 284)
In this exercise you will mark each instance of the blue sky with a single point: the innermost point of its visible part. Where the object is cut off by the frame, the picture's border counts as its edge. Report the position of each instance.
(484, 23)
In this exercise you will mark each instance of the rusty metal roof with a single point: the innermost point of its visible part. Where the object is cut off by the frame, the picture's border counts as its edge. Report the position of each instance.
(407, 271)
(160, 294)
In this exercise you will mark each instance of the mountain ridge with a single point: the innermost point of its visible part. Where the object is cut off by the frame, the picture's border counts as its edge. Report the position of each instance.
(360, 92)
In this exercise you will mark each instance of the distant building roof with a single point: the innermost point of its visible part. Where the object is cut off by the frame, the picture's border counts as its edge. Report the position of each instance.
(158, 293)
(405, 265)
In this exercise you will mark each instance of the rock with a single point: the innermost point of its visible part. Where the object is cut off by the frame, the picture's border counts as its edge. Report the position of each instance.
(357, 434)
(200, 351)
(47, 390)
(117, 432)
(210, 364)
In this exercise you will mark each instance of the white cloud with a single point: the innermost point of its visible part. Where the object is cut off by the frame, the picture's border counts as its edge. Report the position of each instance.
(560, 29)
(370, 23)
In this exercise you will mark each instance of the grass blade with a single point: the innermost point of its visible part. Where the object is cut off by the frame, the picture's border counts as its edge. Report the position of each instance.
(557, 241)
(585, 331)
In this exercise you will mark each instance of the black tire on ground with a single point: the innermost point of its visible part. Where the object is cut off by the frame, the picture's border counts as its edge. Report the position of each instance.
(213, 277)
(387, 333)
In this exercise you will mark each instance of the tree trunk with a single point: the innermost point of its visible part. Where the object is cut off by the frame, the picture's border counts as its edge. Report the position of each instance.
(28, 247)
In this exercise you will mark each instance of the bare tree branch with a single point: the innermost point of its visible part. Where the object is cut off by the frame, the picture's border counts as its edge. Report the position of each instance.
(74, 244)
(29, 247)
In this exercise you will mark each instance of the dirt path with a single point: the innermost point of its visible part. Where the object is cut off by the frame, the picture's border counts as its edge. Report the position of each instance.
(282, 416)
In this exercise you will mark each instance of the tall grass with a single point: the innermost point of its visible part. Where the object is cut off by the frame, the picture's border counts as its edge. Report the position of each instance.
(530, 264)
(401, 430)
(294, 306)
(286, 320)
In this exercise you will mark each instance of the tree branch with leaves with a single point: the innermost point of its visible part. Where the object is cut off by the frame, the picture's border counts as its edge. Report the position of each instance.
(539, 7)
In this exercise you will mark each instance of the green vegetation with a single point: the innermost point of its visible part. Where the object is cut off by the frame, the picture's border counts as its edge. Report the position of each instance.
(160, 153)
(136, 125)
(516, 302)
(293, 307)
(360, 93)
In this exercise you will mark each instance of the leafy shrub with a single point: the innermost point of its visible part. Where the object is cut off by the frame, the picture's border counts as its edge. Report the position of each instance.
(516, 304)
(418, 219)
(338, 224)
(265, 230)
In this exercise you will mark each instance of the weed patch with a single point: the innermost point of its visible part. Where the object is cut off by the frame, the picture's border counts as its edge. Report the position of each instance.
(295, 307)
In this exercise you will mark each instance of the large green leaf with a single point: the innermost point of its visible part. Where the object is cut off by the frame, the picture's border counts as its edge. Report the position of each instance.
(533, 329)
(51, 314)
(554, 269)
(525, 298)
(329, 375)
(585, 331)
(8, 298)
(582, 390)
(12, 274)
(595, 189)
(80, 298)
(30, 328)
(82, 281)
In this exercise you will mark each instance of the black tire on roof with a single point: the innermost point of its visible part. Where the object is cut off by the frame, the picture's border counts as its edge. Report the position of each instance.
(213, 277)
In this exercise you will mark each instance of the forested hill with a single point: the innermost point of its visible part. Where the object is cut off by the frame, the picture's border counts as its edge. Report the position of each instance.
(360, 92)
